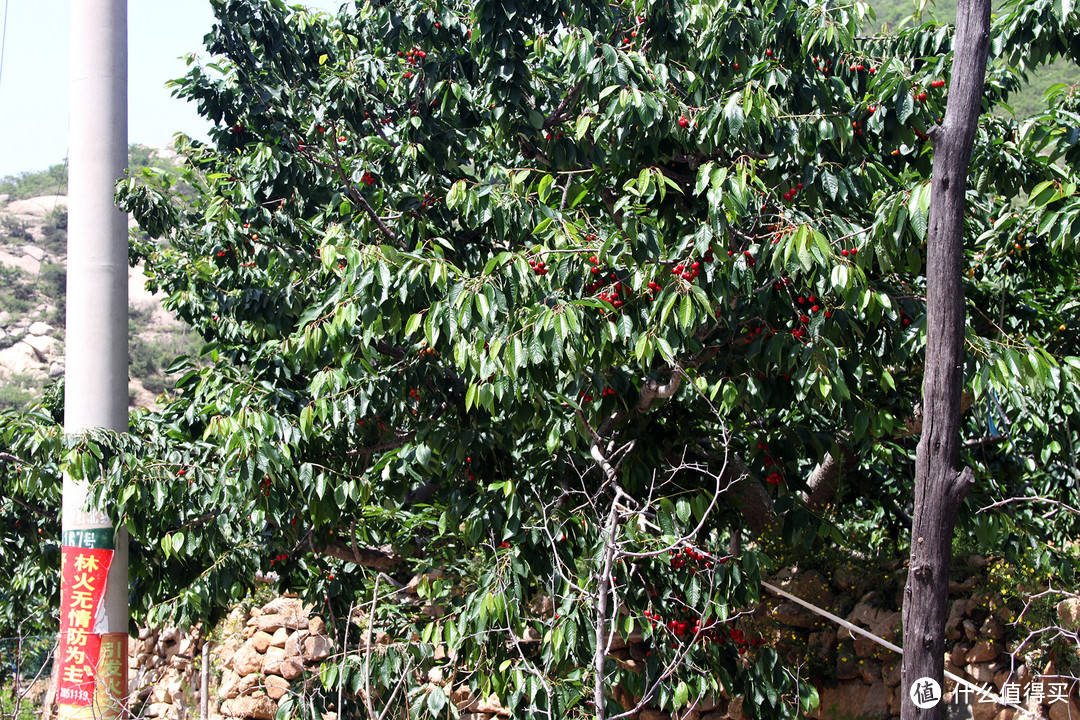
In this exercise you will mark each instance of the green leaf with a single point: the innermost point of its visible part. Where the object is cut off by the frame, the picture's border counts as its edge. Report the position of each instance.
(840, 278)
(436, 700)
(1043, 193)
(682, 694)
(733, 115)
(686, 312)
(423, 454)
(544, 188)
(642, 347)
(904, 105)
(665, 349)
(581, 127)
(413, 323)
(682, 509)
(456, 194)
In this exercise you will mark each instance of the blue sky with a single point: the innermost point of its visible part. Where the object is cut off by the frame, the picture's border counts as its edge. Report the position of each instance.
(34, 80)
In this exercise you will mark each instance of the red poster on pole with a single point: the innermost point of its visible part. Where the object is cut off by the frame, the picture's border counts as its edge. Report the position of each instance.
(83, 573)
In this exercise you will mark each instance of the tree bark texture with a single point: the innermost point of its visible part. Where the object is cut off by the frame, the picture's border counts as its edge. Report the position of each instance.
(939, 486)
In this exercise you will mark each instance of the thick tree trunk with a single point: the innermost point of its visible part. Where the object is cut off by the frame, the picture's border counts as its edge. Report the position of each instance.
(939, 486)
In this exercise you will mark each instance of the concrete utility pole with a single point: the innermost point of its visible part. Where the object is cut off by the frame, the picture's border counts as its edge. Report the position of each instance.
(94, 581)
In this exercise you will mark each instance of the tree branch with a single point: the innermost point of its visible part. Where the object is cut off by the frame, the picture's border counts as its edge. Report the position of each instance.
(1036, 498)
(32, 508)
(653, 390)
(357, 198)
(823, 479)
(397, 442)
(380, 558)
(559, 115)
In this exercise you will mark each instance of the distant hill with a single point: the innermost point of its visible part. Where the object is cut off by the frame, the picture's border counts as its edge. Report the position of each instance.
(33, 286)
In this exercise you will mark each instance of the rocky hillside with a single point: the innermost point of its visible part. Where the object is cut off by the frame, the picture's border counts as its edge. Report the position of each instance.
(33, 273)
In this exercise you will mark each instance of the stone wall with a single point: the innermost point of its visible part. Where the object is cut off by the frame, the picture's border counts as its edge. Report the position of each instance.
(264, 652)
(162, 674)
(862, 678)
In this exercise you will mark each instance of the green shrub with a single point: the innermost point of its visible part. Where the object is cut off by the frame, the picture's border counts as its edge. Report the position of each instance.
(54, 231)
(52, 283)
(17, 294)
(14, 395)
(14, 231)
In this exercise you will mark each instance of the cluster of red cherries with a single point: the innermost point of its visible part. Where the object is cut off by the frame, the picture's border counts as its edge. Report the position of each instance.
(414, 57)
(585, 397)
(539, 266)
(692, 628)
(790, 194)
(691, 270)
